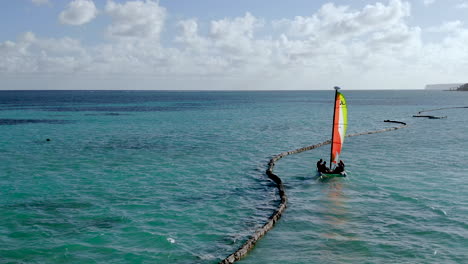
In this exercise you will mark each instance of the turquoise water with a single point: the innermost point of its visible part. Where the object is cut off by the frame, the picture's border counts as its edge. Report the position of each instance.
(178, 177)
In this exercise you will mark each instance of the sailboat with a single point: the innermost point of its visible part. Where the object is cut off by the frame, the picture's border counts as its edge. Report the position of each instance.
(340, 123)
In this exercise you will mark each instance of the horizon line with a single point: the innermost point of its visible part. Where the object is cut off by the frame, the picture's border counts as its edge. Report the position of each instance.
(217, 90)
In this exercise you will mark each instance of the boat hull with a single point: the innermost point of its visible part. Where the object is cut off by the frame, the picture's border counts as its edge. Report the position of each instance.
(324, 176)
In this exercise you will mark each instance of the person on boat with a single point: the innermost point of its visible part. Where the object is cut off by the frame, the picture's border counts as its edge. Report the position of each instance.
(319, 164)
(339, 168)
(325, 169)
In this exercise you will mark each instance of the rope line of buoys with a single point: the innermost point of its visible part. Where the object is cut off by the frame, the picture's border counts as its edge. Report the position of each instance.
(437, 109)
(442, 108)
(250, 243)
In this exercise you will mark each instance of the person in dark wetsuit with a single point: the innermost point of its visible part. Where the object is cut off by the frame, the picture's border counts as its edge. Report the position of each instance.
(325, 169)
(339, 168)
(319, 164)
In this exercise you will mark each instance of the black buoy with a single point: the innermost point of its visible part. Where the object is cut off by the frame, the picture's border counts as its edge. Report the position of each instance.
(48, 139)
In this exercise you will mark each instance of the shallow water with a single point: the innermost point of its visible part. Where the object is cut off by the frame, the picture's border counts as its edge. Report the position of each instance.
(178, 177)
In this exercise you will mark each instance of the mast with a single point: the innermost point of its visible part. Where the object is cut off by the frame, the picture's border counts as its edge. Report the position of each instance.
(333, 125)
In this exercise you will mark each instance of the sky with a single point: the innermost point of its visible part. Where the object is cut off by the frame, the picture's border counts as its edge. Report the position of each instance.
(232, 45)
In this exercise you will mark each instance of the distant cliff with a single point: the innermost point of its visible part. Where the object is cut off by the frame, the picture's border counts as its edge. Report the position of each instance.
(443, 86)
(463, 87)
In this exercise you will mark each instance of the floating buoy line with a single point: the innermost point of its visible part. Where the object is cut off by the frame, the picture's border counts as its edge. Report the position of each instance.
(276, 215)
(437, 109)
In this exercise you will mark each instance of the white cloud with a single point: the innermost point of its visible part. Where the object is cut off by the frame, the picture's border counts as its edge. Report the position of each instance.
(78, 12)
(370, 47)
(340, 22)
(338, 38)
(189, 30)
(136, 19)
(40, 2)
(30, 54)
(451, 26)
(428, 2)
(236, 36)
(230, 47)
(462, 5)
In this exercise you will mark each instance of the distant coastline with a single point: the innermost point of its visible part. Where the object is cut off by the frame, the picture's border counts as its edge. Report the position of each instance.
(447, 87)
(463, 87)
(442, 86)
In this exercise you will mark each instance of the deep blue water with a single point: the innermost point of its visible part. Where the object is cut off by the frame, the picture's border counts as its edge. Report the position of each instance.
(178, 177)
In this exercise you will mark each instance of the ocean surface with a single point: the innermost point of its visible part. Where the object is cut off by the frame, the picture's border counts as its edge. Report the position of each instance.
(179, 177)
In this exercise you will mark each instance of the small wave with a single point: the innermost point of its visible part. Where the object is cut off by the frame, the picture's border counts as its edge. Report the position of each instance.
(439, 211)
(206, 257)
(106, 114)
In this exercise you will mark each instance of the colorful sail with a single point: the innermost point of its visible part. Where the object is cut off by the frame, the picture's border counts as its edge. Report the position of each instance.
(340, 123)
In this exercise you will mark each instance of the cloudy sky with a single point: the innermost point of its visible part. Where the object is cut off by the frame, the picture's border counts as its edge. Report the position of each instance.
(227, 44)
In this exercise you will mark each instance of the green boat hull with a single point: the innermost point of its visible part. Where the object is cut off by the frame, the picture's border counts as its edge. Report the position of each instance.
(324, 176)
